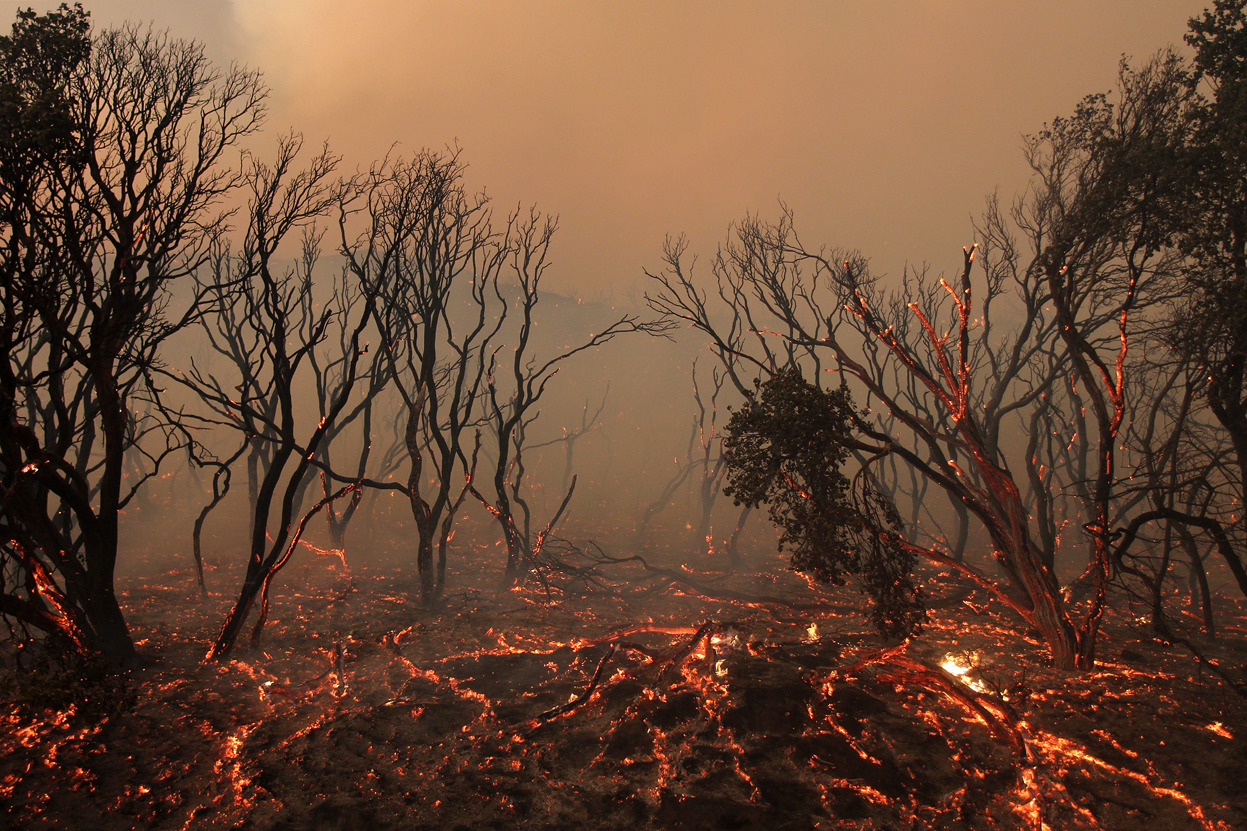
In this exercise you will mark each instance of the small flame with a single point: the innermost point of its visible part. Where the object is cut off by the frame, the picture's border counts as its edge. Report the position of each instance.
(727, 641)
(959, 666)
(953, 666)
(1219, 728)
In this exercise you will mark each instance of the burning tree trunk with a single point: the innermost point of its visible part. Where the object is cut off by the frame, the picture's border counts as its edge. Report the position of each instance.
(1096, 220)
(997, 501)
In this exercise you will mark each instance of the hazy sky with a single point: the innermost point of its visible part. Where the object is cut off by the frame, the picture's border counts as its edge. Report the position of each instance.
(883, 123)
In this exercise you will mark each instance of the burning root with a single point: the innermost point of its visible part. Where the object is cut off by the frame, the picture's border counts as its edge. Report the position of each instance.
(999, 717)
(581, 699)
(660, 662)
(333, 678)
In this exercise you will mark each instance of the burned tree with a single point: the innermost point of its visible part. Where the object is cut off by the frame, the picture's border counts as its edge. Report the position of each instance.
(590, 420)
(703, 455)
(351, 433)
(515, 385)
(281, 320)
(1096, 225)
(827, 304)
(1101, 214)
(705, 450)
(1208, 322)
(428, 257)
(110, 175)
(1176, 485)
(1212, 326)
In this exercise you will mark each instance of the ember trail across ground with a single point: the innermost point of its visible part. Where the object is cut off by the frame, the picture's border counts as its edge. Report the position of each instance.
(680, 706)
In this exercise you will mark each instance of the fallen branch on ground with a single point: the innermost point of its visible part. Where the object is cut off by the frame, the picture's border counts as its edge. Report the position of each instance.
(998, 716)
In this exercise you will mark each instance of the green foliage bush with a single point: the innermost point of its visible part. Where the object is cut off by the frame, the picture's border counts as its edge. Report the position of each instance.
(786, 447)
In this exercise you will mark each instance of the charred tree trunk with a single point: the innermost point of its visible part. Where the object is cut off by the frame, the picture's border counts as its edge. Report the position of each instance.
(421, 511)
(1198, 580)
(253, 580)
(102, 610)
(221, 479)
(733, 544)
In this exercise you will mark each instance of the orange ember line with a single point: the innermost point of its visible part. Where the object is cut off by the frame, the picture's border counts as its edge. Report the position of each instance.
(641, 629)
(1058, 746)
(339, 553)
(229, 765)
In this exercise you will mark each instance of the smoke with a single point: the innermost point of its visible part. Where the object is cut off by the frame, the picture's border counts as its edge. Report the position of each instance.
(883, 125)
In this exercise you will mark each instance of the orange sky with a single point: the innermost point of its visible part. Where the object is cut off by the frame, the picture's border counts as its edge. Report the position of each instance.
(883, 123)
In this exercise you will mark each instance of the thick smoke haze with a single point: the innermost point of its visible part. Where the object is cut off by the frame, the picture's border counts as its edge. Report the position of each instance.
(883, 124)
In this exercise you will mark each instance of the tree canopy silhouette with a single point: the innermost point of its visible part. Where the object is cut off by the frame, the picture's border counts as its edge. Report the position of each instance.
(111, 177)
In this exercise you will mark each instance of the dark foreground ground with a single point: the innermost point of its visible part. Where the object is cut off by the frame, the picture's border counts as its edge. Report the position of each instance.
(622, 710)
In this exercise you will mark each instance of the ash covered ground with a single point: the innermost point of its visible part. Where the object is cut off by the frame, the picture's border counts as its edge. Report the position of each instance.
(664, 699)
